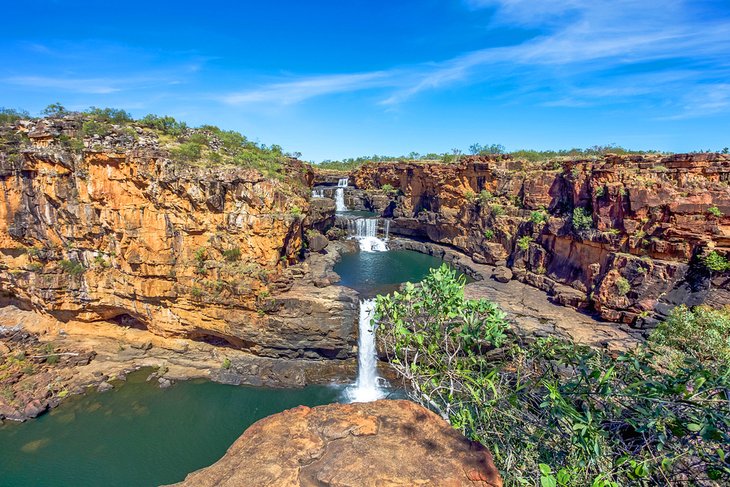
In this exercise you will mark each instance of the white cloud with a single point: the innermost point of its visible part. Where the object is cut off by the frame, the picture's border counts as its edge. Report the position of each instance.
(289, 92)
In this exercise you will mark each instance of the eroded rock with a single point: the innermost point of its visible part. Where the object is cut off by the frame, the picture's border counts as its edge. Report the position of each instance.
(380, 443)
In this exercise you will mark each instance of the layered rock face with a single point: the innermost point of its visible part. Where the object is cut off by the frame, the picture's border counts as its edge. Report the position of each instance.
(112, 230)
(382, 443)
(621, 235)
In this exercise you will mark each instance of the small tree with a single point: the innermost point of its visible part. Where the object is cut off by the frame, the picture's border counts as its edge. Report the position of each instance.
(54, 110)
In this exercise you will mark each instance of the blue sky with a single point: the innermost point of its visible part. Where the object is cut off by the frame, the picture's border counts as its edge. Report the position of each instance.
(335, 79)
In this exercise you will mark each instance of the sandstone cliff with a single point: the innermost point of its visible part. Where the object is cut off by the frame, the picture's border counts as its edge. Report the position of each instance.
(630, 251)
(112, 228)
(382, 443)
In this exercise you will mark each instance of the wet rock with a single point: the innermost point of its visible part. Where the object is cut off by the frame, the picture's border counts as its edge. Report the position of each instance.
(104, 386)
(164, 383)
(361, 444)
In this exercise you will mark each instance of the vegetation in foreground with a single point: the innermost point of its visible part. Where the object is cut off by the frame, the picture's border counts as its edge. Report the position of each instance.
(555, 413)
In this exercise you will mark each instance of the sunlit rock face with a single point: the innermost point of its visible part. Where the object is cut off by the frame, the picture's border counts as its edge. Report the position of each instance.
(117, 231)
(347, 445)
(648, 219)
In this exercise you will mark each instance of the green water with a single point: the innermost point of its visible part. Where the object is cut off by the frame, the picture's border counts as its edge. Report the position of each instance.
(139, 434)
(372, 273)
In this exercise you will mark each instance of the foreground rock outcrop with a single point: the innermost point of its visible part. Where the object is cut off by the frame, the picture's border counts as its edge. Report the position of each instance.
(621, 235)
(382, 443)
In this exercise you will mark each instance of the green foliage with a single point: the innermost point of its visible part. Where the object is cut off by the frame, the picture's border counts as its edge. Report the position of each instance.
(715, 262)
(485, 197)
(582, 219)
(714, 211)
(54, 110)
(101, 262)
(52, 359)
(92, 127)
(109, 115)
(232, 255)
(72, 267)
(623, 286)
(10, 115)
(702, 332)
(226, 363)
(388, 188)
(483, 150)
(497, 210)
(187, 152)
(524, 242)
(200, 256)
(489, 234)
(470, 196)
(165, 124)
(551, 411)
(599, 191)
(196, 292)
(71, 143)
(538, 217)
(296, 211)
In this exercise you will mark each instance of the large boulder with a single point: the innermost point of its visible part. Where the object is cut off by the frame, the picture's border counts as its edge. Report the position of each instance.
(364, 444)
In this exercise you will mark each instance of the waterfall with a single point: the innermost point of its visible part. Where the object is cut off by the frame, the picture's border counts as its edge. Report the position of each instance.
(365, 231)
(340, 195)
(340, 200)
(366, 387)
(318, 193)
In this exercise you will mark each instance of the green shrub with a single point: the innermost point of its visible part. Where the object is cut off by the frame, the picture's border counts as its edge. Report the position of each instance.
(489, 234)
(497, 210)
(701, 332)
(196, 292)
(623, 286)
(92, 127)
(524, 242)
(71, 267)
(187, 152)
(485, 196)
(715, 262)
(551, 411)
(9, 115)
(714, 211)
(582, 219)
(109, 115)
(54, 110)
(232, 255)
(599, 191)
(538, 217)
(388, 188)
(226, 363)
(296, 211)
(470, 196)
(52, 359)
(165, 124)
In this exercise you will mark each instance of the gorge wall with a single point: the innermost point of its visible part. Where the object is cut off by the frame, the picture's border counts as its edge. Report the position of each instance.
(112, 229)
(631, 251)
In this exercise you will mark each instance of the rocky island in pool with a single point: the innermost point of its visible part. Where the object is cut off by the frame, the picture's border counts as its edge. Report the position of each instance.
(183, 304)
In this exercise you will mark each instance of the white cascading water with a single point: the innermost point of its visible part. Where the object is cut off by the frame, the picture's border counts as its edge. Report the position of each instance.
(317, 193)
(365, 231)
(340, 196)
(366, 388)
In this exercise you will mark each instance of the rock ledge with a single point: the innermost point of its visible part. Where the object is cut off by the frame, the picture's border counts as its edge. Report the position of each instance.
(380, 443)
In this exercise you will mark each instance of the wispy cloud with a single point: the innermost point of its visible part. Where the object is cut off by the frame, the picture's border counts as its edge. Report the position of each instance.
(295, 91)
(580, 44)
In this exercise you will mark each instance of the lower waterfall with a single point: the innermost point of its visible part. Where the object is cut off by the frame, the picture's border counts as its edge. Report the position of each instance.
(366, 387)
